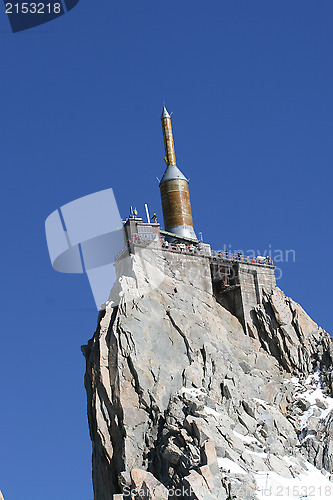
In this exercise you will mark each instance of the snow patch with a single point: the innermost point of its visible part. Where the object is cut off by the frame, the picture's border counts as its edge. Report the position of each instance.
(230, 466)
(309, 484)
(305, 417)
(261, 401)
(210, 411)
(313, 377)
(261, 454)
(247, 439)
(312, 395)
(193, 391)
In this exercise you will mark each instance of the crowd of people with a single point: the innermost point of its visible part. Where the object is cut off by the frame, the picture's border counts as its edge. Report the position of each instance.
(182, 247)
(266, 260)
(179, 247)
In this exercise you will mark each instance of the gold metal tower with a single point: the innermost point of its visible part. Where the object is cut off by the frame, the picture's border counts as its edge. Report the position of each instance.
(176, 205)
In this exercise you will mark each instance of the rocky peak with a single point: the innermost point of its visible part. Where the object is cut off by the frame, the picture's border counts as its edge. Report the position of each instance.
(182, 402)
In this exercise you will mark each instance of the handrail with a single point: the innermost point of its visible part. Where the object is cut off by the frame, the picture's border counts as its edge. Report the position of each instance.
(242, 258)
(119, 254)
(194, 250)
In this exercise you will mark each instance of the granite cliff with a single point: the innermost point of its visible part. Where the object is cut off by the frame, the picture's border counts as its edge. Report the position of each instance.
(182, 403)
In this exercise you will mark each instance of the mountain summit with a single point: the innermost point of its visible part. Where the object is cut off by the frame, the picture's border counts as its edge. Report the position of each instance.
(184, 402)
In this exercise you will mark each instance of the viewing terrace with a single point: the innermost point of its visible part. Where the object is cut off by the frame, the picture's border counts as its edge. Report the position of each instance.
(202, 250)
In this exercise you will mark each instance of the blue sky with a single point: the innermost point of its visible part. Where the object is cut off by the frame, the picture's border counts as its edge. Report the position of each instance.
(250, 87)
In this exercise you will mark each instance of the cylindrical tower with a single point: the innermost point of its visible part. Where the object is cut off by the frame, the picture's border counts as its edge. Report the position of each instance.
(175, 194)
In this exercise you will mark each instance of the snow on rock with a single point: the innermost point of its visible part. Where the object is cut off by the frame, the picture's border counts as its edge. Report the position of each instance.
(193, 391)
(311, 391)
(258, 454)
(230, 466)
(210, 411)
(247, 439)
(309, 484)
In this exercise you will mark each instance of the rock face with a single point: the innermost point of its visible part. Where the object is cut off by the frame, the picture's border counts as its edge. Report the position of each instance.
(181, 403)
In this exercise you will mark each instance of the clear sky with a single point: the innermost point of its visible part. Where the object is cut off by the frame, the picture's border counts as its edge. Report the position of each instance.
(250, 87)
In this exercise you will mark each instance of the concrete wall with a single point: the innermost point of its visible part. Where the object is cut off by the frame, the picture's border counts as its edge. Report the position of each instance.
(238, 286)
(137, 230)
(158, 264)
(253, 278)
(194, 269)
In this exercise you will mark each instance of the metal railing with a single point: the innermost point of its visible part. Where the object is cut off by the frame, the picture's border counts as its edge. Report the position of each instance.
(238, 257)
(182, 248)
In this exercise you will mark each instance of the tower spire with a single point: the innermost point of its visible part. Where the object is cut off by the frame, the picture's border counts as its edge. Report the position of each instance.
(170, 156)
(175, 196)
